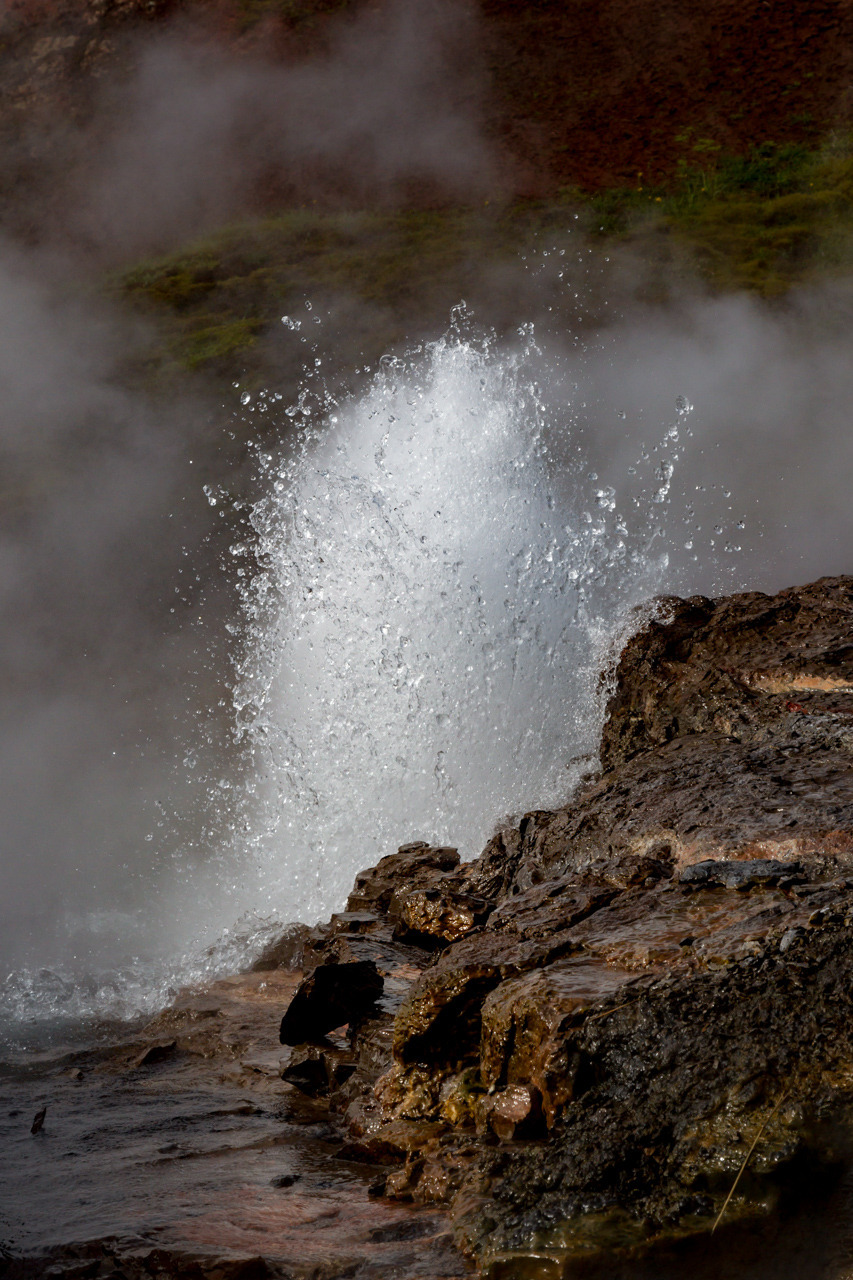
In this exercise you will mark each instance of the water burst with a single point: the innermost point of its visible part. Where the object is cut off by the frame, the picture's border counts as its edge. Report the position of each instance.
(432, 586)
(428, 630)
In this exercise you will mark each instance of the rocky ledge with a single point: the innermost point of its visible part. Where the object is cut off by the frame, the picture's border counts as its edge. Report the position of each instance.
(628, 1026)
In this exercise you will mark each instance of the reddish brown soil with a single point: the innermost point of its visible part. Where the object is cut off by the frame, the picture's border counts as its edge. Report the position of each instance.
(597, 91)
(592, 92)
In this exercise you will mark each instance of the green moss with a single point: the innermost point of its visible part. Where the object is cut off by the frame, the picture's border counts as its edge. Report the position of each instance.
(214, 297)
(211, 343)
(763, 222)
(767, 170)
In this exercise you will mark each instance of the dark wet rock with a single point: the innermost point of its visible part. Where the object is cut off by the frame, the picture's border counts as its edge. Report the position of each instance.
(494, 871)
(333, 995)
(652, 985)
(155, 1053)
(740, 875)
(318, 1072)
(246, 1178)
(734, 666)
(285, 952)
(704, 796)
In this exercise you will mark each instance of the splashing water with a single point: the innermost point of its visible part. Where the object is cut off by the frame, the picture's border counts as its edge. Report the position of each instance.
(428, 630)
(437, 590)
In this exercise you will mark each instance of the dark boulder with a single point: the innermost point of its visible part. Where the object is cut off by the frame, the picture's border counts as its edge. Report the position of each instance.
(332, 995)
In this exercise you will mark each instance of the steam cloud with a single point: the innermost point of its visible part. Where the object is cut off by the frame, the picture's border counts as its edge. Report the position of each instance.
(108, 666)
(393, 107)
(771, 448)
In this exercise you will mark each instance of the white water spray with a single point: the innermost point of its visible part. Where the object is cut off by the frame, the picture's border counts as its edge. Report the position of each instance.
(428, 630)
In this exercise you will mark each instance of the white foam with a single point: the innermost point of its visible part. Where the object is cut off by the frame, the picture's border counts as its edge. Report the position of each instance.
(439, 588)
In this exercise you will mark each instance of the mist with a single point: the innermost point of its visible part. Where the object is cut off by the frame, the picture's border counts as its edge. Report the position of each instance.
(389, 111)
(764, 470)
(103, 629)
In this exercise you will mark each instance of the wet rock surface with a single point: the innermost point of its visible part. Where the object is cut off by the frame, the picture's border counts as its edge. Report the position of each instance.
(642, 1027)
(178, 1151)
(620, 1043)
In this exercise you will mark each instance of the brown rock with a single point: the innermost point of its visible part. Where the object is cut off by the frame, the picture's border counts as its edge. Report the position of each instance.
(512, 1112)
(332, 995)
(285, 952)
(414, 866)
(528, 1024)
(155, 1053)
(318, 1072)
(731, 666)
(436, 915)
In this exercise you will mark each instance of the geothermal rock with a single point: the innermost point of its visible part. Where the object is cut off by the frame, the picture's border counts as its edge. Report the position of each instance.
(331, 996)
(632, 1018)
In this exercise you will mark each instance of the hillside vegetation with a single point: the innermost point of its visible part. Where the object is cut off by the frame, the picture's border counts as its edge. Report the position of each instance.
(710, 144)
(779, 216)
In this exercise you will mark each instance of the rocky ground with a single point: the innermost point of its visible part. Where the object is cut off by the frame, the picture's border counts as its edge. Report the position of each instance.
(619, 1043)
(178, 1152)
(628, 1021)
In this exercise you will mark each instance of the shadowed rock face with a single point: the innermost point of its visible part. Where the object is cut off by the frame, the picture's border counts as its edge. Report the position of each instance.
(655, 977)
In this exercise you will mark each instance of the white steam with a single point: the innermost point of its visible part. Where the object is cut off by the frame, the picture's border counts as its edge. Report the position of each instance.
(392, 106)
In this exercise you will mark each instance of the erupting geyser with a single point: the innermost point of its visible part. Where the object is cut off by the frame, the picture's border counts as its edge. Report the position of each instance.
(431, 592)
(437, 594)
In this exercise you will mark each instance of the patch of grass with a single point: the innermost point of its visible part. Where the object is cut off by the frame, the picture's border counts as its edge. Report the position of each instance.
(216, 342)
(214, 298)
(762, 222)
(767, 171)
(771, 218)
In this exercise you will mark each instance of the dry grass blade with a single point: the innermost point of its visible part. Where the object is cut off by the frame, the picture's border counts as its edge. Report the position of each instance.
(755, 1142)
(604, 1013)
